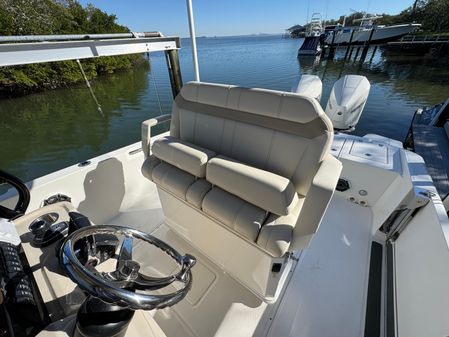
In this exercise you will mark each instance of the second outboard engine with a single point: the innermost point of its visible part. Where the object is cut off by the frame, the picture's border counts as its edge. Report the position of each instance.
(310, 86)
(347, 100)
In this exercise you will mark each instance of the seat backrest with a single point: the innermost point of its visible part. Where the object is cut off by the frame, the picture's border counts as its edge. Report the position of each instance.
(280, 132)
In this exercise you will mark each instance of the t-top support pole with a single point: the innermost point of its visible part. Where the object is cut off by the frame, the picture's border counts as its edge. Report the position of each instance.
(196, 71)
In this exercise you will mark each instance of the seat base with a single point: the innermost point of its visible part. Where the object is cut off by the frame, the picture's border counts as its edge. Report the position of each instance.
(226, 248)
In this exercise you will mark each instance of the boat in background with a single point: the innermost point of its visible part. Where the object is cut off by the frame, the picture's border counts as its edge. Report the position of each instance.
(368, 32)
(311, 44)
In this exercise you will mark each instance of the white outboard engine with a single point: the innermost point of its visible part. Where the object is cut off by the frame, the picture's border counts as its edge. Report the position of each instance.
(310, 86)
(347, 100)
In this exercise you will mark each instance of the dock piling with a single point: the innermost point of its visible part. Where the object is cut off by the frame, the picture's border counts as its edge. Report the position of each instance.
(332, 47)
(356, 53)
(372, 55)
(172, 59)
(366, 45)
(349, 44)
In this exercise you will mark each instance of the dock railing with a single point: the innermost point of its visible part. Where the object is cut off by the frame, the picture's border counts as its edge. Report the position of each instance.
(422, 39)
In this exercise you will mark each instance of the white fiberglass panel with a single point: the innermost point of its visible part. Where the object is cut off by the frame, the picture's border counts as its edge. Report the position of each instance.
(327, 293)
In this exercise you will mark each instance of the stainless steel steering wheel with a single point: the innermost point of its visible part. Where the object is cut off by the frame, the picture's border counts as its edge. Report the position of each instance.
(118, 287)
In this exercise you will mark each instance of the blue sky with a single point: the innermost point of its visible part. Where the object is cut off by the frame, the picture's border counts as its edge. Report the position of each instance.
(233, 17)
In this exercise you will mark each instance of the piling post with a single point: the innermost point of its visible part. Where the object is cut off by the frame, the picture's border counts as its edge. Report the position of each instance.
(349, 44)
(356, 53)
(174, 70)
(350, 53)
(365, 49)
(372, 55)
(332, 47)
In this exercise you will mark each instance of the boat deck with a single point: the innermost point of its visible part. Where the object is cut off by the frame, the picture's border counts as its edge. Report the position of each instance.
(432, 143)
(330, 280)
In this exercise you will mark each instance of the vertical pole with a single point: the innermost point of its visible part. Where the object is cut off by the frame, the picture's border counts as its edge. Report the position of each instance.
(372, 55)
(365, 49)
(350, 53)
(356, 53)
(332, 48)
(174, 71)
(196, 71)
(349, 44)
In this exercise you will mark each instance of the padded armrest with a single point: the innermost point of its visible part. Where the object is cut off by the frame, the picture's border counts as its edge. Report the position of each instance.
(183, 155)
(264, 189)
(146, 131)
(316, 201)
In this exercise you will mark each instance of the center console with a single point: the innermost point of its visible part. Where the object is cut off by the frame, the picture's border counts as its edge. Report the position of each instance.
(40, 299)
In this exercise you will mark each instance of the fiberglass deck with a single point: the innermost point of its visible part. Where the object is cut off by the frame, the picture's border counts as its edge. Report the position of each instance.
(329, 283)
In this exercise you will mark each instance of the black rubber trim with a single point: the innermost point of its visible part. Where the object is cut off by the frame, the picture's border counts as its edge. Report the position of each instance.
(390, 318)
(374, 299)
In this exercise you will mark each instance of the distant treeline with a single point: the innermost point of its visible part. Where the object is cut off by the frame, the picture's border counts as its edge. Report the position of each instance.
(432, 14)
(35, 17)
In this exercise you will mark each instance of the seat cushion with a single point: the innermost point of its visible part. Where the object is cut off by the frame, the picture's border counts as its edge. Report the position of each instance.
(277, 232)
(172, 179)
(185, 156)
(241, 216)
(264, 189)
(148, 166)
(197, 191)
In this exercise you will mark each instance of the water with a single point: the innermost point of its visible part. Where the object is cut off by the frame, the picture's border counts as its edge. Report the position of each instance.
(43, 132)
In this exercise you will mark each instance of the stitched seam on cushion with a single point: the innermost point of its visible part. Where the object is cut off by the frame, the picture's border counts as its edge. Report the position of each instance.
(165, 175)
(237, 214)
(269, 237)
(222, 135)
(235, 124)
(188, 187)
(224, 120)
(204, 194)
(267, 159)
(194, 127)
(297, 164)
(274, 132)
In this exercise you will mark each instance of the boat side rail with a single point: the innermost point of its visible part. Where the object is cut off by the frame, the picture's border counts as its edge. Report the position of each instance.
(146, 130)
(425, 38)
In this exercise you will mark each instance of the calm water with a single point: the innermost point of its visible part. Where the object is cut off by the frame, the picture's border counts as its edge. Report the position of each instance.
(43, 132)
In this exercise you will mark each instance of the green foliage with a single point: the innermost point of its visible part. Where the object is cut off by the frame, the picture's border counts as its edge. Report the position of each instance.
(35, 17)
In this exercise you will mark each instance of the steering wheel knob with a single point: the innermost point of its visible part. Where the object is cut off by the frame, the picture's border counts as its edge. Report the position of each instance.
(188, 261)
(129, 270)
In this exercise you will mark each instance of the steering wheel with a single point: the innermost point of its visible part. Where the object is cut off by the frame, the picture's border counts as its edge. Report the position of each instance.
(24, 197)
(119, 286)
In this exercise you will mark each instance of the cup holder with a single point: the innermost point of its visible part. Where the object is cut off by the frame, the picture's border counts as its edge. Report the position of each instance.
(40, 225)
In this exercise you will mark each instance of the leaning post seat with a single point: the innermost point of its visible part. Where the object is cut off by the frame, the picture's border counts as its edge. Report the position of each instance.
(245, 175)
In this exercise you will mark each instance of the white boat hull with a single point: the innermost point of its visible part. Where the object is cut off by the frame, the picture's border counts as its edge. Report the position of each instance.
(362, 35)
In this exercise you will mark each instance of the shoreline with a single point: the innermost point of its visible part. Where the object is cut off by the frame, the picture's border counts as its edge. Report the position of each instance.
(15, 90)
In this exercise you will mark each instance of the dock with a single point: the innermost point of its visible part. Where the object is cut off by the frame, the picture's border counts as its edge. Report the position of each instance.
(434, 44)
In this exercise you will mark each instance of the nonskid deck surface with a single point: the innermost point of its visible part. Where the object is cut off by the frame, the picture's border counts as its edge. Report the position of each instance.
(330, 282)
(327, 293)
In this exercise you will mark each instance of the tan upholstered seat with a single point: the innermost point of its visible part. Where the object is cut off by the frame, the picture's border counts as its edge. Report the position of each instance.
(185, 156)
(172, 179)
(249, 159)
(264, 189)
(241, 216)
